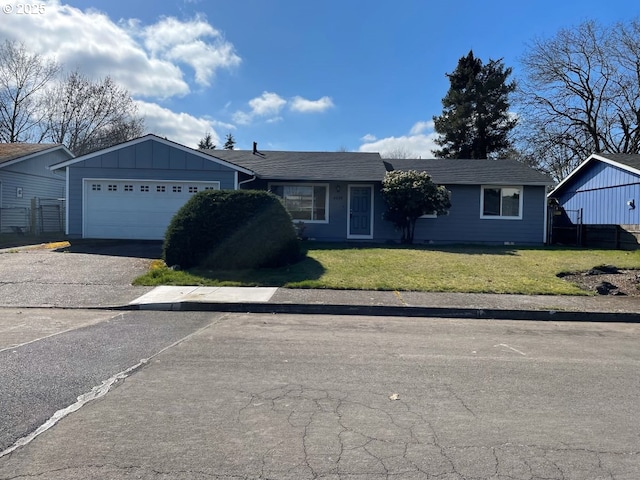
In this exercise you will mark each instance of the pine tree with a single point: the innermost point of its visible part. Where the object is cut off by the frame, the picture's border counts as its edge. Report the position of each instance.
(230, 142)
(206, 143)
(475, 121)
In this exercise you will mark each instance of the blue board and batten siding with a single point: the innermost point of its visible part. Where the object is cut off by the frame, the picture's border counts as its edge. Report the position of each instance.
(147, 160)
(602, 192)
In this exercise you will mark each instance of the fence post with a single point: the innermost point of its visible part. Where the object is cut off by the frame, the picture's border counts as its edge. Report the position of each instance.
(32, 217)
(580, 229)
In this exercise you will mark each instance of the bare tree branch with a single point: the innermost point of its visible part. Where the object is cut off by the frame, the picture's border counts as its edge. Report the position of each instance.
(23, 77)
(581, 95)
(87, 115)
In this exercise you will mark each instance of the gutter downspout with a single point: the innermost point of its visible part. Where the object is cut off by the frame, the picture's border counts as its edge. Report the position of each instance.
(253, 177)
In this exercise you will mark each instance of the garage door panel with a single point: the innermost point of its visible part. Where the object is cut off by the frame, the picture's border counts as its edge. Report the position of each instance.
(138, 209)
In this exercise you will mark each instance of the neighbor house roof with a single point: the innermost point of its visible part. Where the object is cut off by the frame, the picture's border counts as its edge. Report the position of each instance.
(310, 166)
(11, 153)
(626, 161)
(473, 172)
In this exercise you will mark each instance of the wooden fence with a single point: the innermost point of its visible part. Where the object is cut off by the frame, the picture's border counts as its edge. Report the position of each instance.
(619, 237)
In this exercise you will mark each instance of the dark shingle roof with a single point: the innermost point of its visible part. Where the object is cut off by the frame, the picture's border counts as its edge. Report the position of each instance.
(12, 151)
(313, 166)
(473, 172)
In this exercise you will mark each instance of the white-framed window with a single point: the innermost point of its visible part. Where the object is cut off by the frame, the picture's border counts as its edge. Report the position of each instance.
(193, 189)
(144, 188)
(304, 201)
(96, 187)
(112, 188)
(177, 189)
(128, 188)
(161, 188)
(500, 202)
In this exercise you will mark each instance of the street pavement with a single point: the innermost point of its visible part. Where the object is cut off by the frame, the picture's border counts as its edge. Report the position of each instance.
(263, 396)
(111, 381)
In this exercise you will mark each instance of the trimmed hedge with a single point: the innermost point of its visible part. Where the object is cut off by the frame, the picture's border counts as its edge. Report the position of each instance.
(231, 229)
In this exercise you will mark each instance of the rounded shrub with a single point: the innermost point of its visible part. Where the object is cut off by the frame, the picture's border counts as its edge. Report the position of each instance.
(231, 229)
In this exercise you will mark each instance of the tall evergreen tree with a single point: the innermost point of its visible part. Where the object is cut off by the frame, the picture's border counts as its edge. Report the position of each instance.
(475, 121)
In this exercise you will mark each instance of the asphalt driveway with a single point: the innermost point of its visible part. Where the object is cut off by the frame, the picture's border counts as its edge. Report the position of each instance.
(84, 275)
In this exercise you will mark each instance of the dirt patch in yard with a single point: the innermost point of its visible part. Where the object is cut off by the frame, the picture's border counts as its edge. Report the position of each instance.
(607, 280)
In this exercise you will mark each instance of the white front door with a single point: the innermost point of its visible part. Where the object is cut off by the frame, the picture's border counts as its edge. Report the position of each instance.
(134, 209)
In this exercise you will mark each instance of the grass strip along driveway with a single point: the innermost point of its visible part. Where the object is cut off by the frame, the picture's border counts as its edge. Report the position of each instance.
(510, 270)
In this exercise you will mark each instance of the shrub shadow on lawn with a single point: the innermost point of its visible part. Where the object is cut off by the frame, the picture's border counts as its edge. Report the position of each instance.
(452, 248)
(298, 274)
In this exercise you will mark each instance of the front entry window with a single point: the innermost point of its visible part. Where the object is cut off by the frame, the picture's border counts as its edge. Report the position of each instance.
(308, 203)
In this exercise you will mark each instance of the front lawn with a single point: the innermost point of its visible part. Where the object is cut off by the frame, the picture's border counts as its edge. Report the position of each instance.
(471, 269)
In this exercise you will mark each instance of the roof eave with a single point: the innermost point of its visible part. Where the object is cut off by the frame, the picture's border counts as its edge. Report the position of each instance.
(36, 154)
(502, 183)
(590, 158)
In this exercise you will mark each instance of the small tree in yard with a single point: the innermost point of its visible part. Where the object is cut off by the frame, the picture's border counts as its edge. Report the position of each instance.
(409, 195)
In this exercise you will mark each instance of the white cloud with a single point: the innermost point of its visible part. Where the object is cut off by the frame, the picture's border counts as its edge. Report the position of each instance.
(302, 105)
(242, 118)
(183, 42)
(268, 104)
(178, 127)
(420, 127)
(417, 144)
(368, 138)
(146, 60)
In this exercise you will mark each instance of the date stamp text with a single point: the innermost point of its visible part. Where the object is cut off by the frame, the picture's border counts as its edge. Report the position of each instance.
(22, 8)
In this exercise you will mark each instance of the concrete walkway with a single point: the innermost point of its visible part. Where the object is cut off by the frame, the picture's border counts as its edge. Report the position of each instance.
(390, 303)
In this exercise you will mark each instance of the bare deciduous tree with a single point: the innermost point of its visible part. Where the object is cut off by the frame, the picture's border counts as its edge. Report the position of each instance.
(398, 153)
(581, 95)
(23, 78)
(87, 115)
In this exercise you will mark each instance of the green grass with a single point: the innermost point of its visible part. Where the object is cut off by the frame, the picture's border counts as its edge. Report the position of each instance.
(470, 269)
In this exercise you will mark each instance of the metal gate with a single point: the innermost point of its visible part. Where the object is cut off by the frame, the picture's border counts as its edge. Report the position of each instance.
(49, 215)
(565, 226)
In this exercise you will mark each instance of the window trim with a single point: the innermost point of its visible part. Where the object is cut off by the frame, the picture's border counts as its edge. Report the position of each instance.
(501, 217)
(303, 184)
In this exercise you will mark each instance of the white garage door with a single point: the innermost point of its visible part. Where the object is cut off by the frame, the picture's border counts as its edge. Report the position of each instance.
(140, 209)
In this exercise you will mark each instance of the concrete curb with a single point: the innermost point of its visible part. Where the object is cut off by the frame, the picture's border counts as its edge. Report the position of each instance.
(391, 311)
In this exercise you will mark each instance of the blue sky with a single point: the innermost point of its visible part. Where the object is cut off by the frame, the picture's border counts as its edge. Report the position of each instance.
(289, 74)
